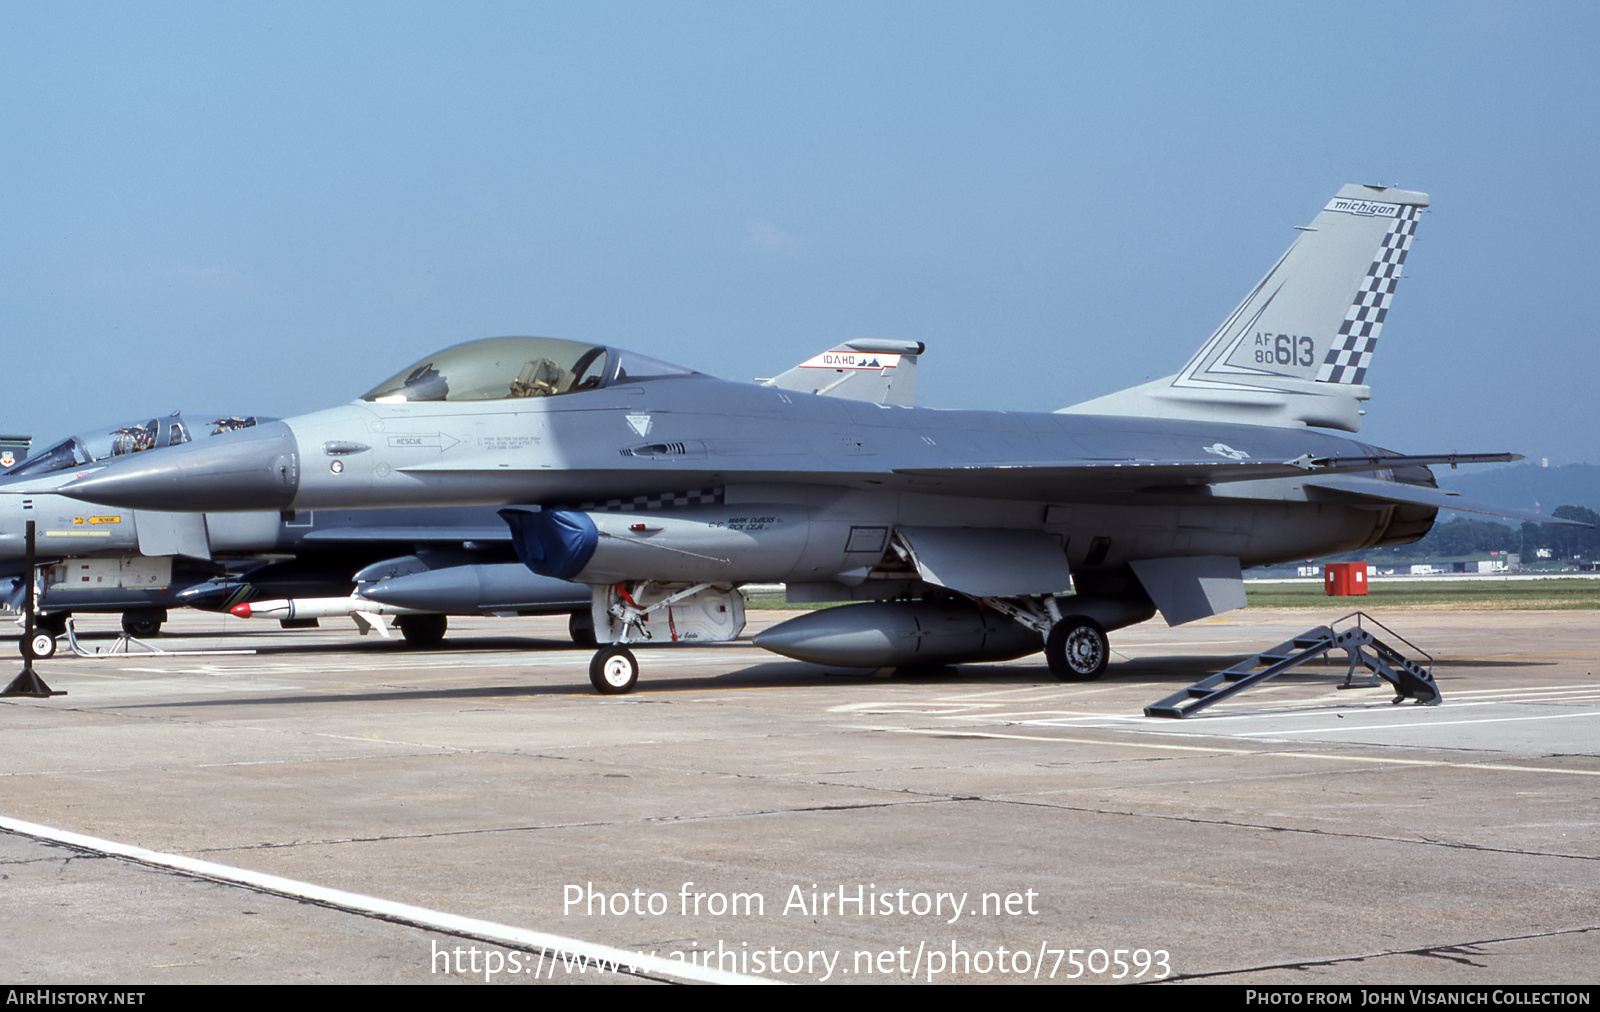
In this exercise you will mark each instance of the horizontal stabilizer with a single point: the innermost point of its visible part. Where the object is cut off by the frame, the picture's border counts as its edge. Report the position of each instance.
(1381, 462)
(1420, 495)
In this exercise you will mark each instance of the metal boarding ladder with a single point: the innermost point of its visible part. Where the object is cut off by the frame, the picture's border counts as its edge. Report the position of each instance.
(1410, 679)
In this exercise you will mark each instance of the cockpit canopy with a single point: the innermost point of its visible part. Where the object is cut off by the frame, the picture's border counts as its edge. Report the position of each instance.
(109, 441)
(501, 368)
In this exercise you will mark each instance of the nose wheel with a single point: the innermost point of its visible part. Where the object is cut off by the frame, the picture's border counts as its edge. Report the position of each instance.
(44, 645)
(614, 670)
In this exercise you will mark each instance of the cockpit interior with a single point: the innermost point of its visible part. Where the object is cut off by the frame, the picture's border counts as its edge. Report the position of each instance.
(104, 442)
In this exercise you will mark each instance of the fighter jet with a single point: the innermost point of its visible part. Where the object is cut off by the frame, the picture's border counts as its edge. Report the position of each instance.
(300, 566)
(957, 533)
(93, 556)
(141, 563)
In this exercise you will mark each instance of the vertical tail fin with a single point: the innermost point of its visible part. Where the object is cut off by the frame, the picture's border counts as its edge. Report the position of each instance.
(1297, 349)
(866, 369)
(1351, 352)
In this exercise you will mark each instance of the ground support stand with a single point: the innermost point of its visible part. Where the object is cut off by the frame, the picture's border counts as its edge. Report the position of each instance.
(1411, 680)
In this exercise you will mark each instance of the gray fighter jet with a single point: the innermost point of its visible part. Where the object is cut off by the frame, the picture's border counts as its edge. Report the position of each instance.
(299, 566)
(91, 559)
(957, 532)
(141, 563)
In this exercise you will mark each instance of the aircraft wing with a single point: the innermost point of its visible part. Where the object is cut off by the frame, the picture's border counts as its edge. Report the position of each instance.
(1072, 480)
(1079, 481)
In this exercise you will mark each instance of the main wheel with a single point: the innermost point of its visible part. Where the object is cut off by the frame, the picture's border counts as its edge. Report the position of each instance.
(614, 670)
(1077, 649)
(423, 631)
(44, 644)
(581, 628)
(54, 623)
(143, 623)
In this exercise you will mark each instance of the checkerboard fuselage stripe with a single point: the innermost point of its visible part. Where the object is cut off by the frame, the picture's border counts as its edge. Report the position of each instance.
(1351, 353)
(654, 501)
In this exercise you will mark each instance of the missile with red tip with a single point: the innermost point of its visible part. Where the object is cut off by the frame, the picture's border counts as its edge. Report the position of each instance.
(291, 609)
(367, 615)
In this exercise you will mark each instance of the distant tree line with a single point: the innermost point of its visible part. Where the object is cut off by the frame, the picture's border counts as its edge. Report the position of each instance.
(1462, 536)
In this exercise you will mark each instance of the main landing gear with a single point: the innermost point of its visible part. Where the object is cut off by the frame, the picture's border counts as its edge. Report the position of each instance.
(1077, 649)
(424, 632)
(143, 621)
(1075, 645)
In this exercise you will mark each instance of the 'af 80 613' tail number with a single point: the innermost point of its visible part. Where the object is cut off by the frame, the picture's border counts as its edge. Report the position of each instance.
(1285, 349)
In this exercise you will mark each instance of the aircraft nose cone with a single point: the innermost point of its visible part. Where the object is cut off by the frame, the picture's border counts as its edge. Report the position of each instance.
(253, 469)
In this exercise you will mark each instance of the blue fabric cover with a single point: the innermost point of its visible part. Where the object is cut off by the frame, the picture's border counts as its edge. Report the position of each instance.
(557, 543)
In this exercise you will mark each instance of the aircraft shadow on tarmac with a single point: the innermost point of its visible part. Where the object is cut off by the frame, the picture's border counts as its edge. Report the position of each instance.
(776, 674)
(178, 642)
(1175, 667)
(780, 675)
(769, 675)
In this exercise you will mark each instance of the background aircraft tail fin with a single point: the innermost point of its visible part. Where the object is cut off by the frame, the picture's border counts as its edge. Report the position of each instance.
(1297, 349)
(866, 369)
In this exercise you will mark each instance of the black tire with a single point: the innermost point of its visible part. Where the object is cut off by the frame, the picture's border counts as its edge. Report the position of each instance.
(143, 623)
(55, 623)
(580, 626)
(423, 631)
(614, 670)
(1077, 649)
(44, 644)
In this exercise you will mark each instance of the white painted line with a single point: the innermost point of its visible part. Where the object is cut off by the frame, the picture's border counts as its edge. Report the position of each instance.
(1285, 753)
(1163, 746)
(1505, 768)
(1590, 687)
(1285, 732)
(404, 913)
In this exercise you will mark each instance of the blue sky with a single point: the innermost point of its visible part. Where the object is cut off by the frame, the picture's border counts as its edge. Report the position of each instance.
(269, 208)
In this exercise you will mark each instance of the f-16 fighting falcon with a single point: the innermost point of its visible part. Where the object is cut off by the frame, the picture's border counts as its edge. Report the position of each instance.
(956, 534)
(299, 566)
